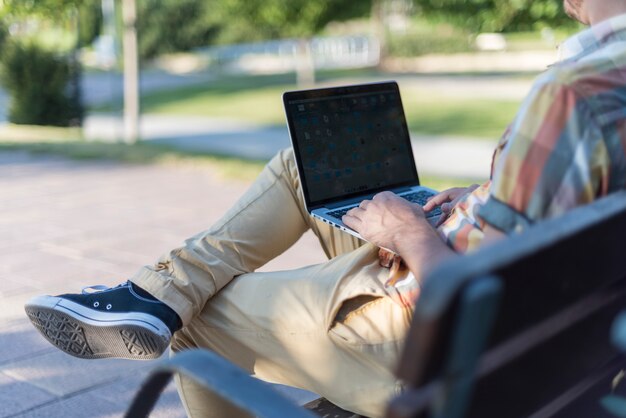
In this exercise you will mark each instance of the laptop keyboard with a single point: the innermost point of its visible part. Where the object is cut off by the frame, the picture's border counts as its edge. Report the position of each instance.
(416, 197)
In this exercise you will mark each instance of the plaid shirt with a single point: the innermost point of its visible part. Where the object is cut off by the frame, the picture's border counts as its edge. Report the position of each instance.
(565, 148)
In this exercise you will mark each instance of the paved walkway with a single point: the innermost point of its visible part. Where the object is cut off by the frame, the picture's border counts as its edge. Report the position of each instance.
(66, 224)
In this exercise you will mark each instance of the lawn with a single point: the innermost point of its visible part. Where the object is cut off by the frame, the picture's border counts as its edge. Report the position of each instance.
(258, 99)
(67, 143)
(430, 114)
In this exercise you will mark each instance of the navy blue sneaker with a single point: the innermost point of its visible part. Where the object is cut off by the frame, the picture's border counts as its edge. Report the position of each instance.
(123, 321)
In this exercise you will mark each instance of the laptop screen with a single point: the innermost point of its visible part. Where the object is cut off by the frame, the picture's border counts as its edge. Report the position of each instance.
(350, 141)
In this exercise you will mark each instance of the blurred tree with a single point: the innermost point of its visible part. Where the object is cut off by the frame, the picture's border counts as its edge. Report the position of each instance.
(87, 12)
(250, 20)
(497, 15)
(174, 25)
(48, 8)
(254, 20)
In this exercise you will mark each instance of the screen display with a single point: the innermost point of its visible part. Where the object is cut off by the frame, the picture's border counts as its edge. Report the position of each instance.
(351, 143)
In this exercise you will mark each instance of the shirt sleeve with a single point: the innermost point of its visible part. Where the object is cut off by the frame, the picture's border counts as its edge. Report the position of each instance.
(555, 159)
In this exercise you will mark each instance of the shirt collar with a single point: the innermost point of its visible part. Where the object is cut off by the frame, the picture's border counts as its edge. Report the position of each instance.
(591, 39)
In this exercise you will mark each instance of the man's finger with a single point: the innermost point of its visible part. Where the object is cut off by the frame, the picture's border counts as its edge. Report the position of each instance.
(384, 195)
(352, 221)
(436, 200)
(356, 212)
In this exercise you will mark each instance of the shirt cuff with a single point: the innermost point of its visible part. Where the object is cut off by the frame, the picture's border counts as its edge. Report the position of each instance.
(503, 217)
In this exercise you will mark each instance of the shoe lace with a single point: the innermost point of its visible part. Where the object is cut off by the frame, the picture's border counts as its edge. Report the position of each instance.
(88, 290)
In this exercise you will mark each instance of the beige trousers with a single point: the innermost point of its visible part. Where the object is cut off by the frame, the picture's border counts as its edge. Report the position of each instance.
(329, 328)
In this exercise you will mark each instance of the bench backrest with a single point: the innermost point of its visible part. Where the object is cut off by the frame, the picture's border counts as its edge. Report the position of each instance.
(522, 327)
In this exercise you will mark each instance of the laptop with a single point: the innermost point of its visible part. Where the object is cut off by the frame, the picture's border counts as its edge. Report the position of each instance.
(350, 143)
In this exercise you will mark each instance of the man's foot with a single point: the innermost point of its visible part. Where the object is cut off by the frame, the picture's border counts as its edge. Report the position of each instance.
(122, 321)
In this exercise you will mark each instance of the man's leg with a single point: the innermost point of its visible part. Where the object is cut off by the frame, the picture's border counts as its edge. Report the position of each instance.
(268, 219)
(127, 322)
(329, 328)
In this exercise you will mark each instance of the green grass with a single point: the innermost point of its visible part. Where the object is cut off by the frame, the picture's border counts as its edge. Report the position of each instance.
(443, 183)
(67, 143)
(259, 99)
(251, 98)
(432, 115)
(261, 104)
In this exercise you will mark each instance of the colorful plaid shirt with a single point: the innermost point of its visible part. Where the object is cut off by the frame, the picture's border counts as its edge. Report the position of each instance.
(565, 148)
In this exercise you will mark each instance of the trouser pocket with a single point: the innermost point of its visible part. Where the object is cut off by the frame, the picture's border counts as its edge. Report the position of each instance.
(370, 320)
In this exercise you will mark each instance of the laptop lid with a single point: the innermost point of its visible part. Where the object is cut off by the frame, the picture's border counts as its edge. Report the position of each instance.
(349, 141)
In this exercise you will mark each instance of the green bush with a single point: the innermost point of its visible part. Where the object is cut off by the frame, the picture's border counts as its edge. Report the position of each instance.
(42, 86)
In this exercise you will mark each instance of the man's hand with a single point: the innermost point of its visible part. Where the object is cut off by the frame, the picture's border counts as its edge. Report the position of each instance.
(400, 226)
(386, 219)
(447, 199)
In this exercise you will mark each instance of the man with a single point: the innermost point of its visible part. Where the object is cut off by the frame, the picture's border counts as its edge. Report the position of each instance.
(337, 328)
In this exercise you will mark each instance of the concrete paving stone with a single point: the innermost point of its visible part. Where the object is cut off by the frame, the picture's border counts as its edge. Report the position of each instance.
(123, 391)
(63, 375)
(108, 269)
(17, 396)
(22, 235)
(23, 262)
(80, 406)
(53, 279)
(12, 310)
(146, 248)
(14, 285)
(60, 278)
(22, 341)
(115, 257)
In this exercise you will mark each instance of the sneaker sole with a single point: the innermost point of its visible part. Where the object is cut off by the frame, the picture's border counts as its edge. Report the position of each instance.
(89, 334)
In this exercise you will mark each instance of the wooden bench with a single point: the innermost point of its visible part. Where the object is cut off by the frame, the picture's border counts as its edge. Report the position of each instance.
(521, 328)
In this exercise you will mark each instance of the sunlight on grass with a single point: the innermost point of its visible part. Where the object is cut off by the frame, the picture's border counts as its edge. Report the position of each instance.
(259, 99)
(262, 105)
(443, 183)
(141, 153)
(428, 114)
(31, 133)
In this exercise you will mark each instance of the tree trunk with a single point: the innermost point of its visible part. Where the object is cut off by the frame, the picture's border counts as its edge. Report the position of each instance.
(131, 72)
(378, 25)
(75, 88)
(305, 65)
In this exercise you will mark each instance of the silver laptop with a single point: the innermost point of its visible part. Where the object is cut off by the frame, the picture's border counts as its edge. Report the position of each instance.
(350, 143)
